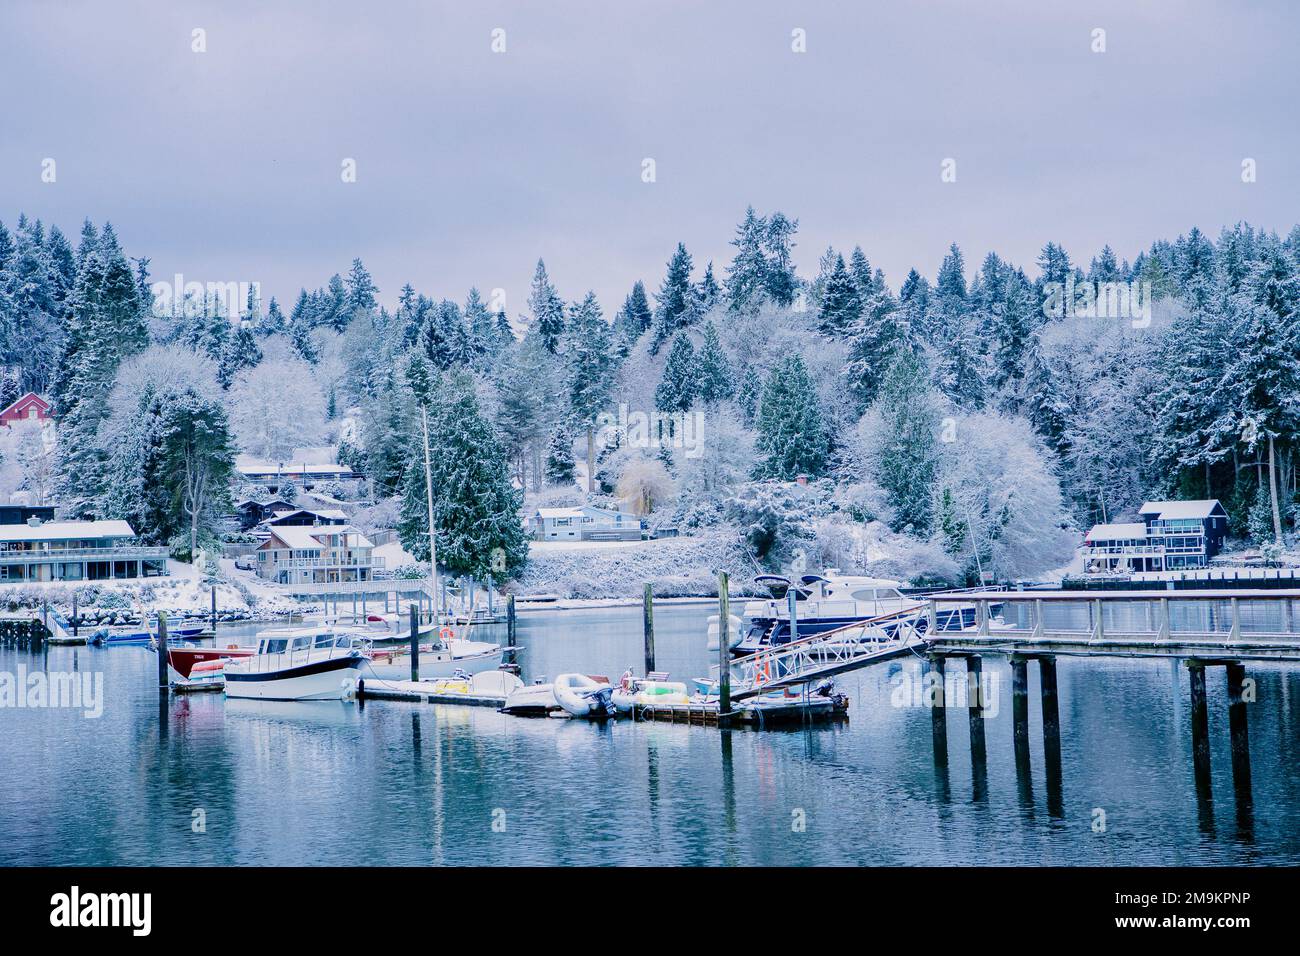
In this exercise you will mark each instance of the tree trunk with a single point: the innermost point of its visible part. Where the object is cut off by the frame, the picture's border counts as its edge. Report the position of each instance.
(1272, 490)
(590, 463)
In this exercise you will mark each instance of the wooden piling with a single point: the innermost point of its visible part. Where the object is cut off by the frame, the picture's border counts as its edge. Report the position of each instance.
(510, 620)
(1020, 707)
(74, 613)
(934, 664)
(415, 644)
(214, 608)
(162, 652)
(794, 616)
(1237, 728)
(975, 709)
(648, 627)
(724, 649)
(1200, 728)
(1051, 710)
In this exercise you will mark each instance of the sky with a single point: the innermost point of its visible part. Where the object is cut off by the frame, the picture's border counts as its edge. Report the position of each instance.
(227, 164)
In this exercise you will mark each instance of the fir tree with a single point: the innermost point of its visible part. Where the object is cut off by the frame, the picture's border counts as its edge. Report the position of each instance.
(241, 352)
(792, 437)
(676, 390)
(840, 306)
(548, 310)
(635, 316)
(707, 291)
(747, 274)
(712, 369)
(780, 282)
(907, 459)
(361, 292)
(559, 457)
(675, 299)
(591, 361)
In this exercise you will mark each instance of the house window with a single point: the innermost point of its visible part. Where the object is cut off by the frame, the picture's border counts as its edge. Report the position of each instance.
(563, 522)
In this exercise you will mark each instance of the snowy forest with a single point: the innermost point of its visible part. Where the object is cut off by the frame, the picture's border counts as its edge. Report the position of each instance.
(943, 430)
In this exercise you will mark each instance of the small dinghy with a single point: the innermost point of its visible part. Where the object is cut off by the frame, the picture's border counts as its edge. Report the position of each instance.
(632, 692)
(581, 696)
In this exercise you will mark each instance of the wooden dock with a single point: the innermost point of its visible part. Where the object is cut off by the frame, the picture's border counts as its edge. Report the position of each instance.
(421, 692)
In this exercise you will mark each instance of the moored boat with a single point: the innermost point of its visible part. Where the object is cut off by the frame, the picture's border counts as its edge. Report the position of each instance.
(532, 700)
(581, 696)
(193, 667)
(298, 664)
(633, 692)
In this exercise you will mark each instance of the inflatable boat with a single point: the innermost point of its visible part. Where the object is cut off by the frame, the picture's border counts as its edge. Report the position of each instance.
(581, 696)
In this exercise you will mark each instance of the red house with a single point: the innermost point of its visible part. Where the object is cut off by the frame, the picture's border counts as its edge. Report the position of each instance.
(30, 405)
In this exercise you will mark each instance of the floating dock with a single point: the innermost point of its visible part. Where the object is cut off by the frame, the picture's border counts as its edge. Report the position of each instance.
(421, 692)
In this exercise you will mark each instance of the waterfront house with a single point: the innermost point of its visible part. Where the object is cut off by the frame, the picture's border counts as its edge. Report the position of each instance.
(584, 523)
(1172, 536)
(76, 551)
(324, 554)
(30, 406)
(307, 517)
(252, 512)
(21, 514)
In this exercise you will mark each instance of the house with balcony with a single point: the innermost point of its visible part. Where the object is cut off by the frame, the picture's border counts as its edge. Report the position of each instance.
(1172, 536)
(75, 551)
(585, 523)
(316, 554)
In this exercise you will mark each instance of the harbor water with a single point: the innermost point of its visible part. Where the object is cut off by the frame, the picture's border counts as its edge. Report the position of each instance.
(199, 779)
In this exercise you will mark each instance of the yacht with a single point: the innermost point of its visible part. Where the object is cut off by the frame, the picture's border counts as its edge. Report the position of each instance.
(824, 602)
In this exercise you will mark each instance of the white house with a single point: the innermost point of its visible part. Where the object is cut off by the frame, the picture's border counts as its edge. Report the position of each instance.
(321, 554)
(76, 551)
(585, 523)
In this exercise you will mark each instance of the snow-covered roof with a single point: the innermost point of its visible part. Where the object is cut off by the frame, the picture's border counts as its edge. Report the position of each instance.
(573, 512)
(66, 531)
(1172, 510)
(306, 537)
(332, 514)
(248, 465)
(23, 400)
(1117, 532)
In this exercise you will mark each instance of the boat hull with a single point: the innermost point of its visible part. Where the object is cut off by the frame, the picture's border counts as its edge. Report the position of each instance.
(334, 678)
(434, 665)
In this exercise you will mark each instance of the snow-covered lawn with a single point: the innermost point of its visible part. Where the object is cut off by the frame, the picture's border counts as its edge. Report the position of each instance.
(536, 548)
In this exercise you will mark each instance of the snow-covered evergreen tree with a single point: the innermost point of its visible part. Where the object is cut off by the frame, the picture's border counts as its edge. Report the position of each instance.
(792, 437)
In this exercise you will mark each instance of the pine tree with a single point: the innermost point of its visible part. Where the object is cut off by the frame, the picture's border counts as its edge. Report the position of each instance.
(780, 282)
(676, 390)
(707, 291)
(747, 274)
(907, 459)
(840, 307)
(476, 510)
(559, 457)
(712, 369)
(361, 292)
(548, 310)
(792, 437)
(241, 352)
(675, 299)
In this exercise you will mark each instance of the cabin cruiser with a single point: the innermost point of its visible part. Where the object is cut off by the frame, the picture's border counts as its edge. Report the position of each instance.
(824, 602)
(443, 659)
(298, 663)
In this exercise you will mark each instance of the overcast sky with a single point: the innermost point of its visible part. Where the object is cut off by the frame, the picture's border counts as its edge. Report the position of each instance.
(225, 165)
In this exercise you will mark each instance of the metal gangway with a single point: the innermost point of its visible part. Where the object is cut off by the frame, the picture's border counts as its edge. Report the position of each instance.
(826, 654)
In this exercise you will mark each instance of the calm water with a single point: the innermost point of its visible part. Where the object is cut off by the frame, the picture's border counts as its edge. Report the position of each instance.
(399, 783)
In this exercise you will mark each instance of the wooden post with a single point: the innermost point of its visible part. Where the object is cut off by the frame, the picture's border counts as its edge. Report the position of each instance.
(975, 713)
(415, 644)
(162, 652)
(1237, 727)
(510, 620)
(1200, 729)
(214, 608)
(934, 664)
(648, 627)
(1051, 710)
(794, 615)
(724, 649)
(1020, 707)
(74, 612)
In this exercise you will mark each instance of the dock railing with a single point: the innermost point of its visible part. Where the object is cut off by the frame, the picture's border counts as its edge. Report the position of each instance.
(1131, 621)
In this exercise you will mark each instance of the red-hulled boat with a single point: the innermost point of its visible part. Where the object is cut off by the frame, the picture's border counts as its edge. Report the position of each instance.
(192, 668)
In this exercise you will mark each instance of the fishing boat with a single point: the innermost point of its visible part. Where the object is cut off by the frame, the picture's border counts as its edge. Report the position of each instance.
(824, 602)
(302, 663)
(581, 696)
(191, 667)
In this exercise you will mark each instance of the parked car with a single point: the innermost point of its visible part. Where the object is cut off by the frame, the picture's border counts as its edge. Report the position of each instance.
(246, 562)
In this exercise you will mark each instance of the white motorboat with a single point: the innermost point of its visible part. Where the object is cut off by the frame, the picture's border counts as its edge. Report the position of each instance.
(301, 663)
(438, 661)
(581, 696)
(532, 700)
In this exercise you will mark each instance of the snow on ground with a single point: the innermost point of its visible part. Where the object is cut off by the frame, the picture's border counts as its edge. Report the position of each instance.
(676, 567)
(394, 555)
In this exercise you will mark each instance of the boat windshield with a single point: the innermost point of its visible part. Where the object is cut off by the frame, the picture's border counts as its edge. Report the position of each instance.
(300, 642)
(274, 646)
(325, 640)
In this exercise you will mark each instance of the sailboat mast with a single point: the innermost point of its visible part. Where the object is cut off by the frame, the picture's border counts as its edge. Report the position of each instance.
(428, 489)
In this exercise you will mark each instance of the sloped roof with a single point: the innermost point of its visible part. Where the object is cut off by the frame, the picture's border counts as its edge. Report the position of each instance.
(1117, 532)
(24, 398)
(1173, 510)
(573, 512)
(305, 537)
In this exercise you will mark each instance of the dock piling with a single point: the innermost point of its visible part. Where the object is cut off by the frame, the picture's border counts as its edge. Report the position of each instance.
(1200, 729)
(934, 664)
(1051, 711)
(74, 613)
(415, 644)
(162, 652)
(1237, 728)
(510, 620)
(1020, 707)
(213, 593)
(648, 626)
(724, 649)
